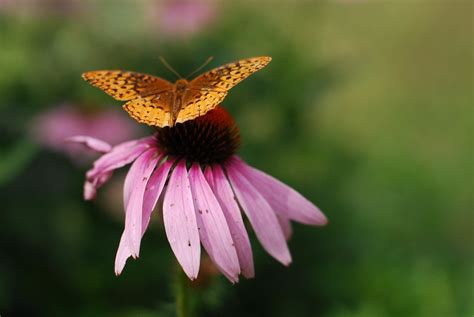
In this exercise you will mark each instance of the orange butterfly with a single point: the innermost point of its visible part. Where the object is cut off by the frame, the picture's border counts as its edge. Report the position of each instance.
(157, 102)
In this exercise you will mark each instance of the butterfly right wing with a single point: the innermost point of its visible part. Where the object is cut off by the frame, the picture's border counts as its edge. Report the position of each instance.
(124, 85)
(153, 110)
(227, 76)
(199, 102)
(208, 90)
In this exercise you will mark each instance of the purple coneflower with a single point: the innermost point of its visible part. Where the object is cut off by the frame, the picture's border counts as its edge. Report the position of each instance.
(192, 173)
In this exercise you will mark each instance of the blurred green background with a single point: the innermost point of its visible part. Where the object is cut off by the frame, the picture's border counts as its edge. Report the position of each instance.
(366, 109)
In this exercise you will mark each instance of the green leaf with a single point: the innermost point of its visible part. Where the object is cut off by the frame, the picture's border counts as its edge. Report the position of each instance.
(15, 159)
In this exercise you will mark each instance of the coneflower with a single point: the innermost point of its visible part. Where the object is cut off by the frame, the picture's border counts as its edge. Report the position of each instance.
(203, 186)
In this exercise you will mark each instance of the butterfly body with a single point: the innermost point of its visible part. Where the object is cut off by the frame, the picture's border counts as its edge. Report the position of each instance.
(158, 102)
(180, 87)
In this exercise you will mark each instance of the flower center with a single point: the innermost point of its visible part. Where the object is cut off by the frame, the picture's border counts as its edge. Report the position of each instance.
(208, 139)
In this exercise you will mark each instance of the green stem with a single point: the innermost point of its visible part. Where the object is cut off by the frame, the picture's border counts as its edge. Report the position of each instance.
(182, 294)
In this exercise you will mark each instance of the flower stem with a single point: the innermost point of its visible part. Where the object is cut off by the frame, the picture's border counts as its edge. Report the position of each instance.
(182, 293)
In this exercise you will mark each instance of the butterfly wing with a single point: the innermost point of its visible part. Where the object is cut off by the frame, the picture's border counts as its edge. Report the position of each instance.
(227, 76)
(198, 103)
(124, 85)
(149, 97)
(152, 110)
(208, 90)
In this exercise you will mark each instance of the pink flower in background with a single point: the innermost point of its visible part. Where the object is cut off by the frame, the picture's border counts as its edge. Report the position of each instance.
(53, 127)
(183, 17)
(192, 174)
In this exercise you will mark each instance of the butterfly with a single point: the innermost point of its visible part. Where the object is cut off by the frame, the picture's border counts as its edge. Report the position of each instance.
(158, 102)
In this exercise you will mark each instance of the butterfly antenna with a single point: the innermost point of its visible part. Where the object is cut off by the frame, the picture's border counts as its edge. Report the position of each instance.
(171, 69)
(209, 59)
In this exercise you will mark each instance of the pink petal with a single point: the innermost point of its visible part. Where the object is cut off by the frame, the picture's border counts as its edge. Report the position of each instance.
(260, 215)
(180, 221)
(90, 187)
(137, 179)
(123, 253)
(153, 191)
(119, 156)
(89, 191)
(283, 199)
(223, 192)
(214, 232)
(285, 225)
(90, 142)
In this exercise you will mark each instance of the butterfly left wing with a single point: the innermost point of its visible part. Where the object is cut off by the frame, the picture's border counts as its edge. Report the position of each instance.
(149, 97)
(125, 85)
(208, 90)
(153, 110)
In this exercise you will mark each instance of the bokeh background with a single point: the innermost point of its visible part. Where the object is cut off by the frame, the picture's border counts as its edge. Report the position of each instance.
(366, 109)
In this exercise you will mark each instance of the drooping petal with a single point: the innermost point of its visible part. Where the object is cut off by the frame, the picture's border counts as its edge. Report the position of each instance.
(180, 221)
(223, 192)
(90, 187)
(283, 199)
(89, 191)
(285, 225)
(153, 191)
(123, 253)
(137, 179)
(213, 229)
(260, 214)
(119, 156)
(154, 187)
(90, 142)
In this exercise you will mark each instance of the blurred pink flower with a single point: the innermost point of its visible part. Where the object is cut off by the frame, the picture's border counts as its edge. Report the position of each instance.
(53, 127)
(183, 18)
(202, 183)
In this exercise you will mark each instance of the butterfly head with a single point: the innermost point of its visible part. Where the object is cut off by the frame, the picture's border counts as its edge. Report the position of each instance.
(181, 84)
